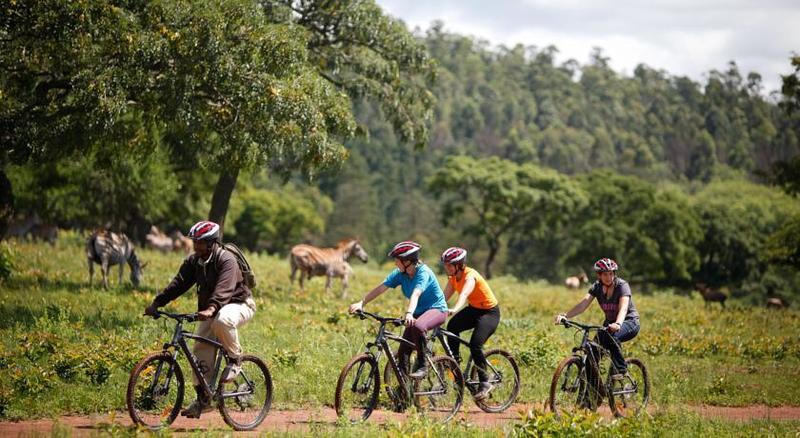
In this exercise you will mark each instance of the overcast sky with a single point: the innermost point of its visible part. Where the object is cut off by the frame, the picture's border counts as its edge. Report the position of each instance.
(684, 37)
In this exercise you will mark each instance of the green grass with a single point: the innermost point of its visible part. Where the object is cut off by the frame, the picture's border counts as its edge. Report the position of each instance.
(67, 348)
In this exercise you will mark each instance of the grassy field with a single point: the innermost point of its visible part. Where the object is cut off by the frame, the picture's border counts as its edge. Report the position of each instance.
(66, 348)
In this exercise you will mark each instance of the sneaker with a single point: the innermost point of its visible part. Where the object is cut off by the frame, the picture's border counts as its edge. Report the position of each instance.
(484, 388)
(420, 372)
(230, 372)
(196, 408)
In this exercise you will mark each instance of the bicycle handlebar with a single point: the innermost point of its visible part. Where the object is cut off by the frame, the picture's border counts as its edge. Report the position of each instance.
(364, 314)
(586, 327)
(188, 317)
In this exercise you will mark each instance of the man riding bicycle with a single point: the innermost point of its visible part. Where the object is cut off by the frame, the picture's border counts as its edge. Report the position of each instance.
(621, 318)
(427, 308)
(482, 314)
(224, 303)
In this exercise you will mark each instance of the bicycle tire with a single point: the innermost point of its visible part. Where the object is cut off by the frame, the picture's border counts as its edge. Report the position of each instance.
(254, 378)
(140, 399)
(623, 405)
(446, 368)
(575, 387)
(343, 389)
(499, 380)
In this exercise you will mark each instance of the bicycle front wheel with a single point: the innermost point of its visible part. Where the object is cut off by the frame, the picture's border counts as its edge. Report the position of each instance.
(155, 391)
(571, 389)
(440, 393)
(629, 396)
(503, 374)
(357, 388)
(245, 401)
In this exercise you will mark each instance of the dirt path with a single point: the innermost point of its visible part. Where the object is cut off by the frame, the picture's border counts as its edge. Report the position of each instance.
(305, 420)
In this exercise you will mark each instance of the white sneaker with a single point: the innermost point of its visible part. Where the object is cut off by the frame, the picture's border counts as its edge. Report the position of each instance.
(231, 372)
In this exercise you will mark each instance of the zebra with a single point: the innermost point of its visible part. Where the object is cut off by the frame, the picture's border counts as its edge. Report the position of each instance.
(312, 261)
(107, 249)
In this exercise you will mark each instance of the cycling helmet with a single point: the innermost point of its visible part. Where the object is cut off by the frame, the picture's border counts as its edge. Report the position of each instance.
(605, 264)
(204, 230)
(454, 254)
(405, 250)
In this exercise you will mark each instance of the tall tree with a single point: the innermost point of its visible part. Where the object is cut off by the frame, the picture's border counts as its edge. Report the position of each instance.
(490, 197)
(243, 88)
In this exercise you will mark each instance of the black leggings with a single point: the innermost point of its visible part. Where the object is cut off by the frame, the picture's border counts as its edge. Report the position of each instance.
(484, 321)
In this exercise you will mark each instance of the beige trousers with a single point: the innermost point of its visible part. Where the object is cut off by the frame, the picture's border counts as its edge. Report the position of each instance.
(223, 329)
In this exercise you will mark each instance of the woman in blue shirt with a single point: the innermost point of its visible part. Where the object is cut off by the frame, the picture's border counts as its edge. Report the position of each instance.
(427, 307)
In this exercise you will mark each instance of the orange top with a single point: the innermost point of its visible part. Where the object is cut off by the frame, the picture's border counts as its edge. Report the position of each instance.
(482, 296)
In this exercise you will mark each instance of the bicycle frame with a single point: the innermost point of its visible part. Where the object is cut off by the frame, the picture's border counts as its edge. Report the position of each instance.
(178, 343)
(382, 344)
(441, 335)
(586, 355)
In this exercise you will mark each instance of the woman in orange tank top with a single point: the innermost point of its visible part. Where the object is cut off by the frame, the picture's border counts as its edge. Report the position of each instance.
(481, 314)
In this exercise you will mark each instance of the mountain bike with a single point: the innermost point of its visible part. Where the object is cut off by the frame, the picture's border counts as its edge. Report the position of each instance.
(578, 384)
(439, 394)
(156, 385)
(502, 370)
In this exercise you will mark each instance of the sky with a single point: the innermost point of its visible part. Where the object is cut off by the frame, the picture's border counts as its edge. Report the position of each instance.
(683, 37)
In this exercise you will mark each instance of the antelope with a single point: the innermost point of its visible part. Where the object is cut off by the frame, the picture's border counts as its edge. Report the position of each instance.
(158, 240)
(710, 295)
(776, 303)
(576, 281)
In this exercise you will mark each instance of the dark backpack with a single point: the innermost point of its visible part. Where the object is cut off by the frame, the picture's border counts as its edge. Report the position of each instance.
(247, 271)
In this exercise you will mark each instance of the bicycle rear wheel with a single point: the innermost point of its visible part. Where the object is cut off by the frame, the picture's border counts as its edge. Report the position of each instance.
(503, 374)
(357, 388)
(245, 401)
(155, 391)
(571, 389)
(629, 396)
(440, 393)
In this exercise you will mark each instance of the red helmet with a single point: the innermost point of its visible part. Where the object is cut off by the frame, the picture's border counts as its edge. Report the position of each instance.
(454, 254)
(605, 264)
(204, 230)
(404, 249)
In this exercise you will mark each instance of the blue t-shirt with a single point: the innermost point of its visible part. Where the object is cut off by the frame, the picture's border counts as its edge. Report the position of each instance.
(424, 279)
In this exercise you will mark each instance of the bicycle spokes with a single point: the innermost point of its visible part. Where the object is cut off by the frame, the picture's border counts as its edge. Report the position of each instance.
(245, 400)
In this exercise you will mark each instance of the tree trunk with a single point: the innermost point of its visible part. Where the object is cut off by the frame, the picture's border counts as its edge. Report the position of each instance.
(222, 197)
(494, 247)
(6, 202)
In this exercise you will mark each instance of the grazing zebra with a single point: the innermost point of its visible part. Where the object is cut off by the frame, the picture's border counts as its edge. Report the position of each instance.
(312, 261)
(107, 249)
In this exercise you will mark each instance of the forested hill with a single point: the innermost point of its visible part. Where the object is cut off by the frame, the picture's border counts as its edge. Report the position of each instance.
(519, 105)
(537, 167)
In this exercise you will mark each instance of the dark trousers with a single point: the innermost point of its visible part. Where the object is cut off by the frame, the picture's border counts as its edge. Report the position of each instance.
(484, 322)
(613, 342)
(416, 334)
